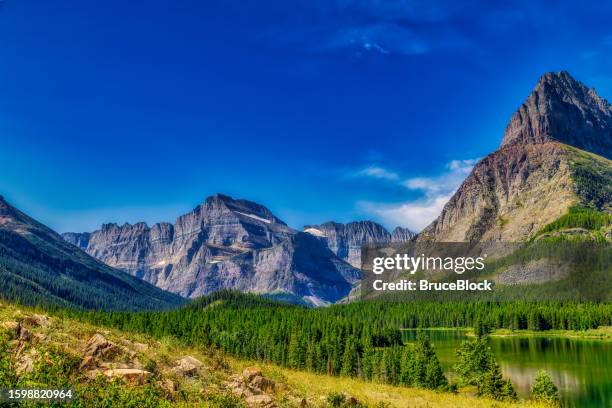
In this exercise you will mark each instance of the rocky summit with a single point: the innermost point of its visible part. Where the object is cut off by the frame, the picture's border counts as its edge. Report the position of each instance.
(554, 156)
(563, 109)
(224, 243)
(346, 240)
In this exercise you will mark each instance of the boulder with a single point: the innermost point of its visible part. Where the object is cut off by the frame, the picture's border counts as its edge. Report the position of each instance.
(237, 386)
(262, 384)
(187, 366)
(25, 363)
(260, 401)
(98, 346)
(87, 362)
(250, 372)
(36, 320)
(169, 386)
(24, 334)
(128, 375)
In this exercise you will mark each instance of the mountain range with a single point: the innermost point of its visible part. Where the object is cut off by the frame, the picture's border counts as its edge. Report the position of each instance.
(226, 243)
(552, 174)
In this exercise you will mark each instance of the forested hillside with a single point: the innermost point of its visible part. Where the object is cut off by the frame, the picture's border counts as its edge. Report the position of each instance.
(38, 267)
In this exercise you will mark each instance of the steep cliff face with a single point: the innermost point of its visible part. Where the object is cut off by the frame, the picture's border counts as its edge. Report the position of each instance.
(540, 170)
(346, 240)
(223, 243)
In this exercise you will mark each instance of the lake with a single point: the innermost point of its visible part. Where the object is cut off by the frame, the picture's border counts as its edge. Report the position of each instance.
(581, 368)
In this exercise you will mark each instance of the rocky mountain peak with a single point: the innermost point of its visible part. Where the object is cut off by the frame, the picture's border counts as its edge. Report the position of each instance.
(562, 109)
(401, 234)
(248, 211)
(223, 243)
(540, 171)
(346, 240)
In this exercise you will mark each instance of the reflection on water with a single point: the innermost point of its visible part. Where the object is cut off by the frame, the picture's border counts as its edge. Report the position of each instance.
(582, 369)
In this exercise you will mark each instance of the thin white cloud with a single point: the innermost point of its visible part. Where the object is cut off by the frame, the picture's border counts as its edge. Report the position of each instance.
(415, 215)
(377, 172)
(445, 183)
(435, 193)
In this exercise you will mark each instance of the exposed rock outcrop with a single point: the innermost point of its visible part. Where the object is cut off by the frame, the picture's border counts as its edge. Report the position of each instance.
(400, 234)
(256, 390)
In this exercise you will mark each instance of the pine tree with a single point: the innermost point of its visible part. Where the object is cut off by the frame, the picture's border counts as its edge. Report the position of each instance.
(508, 392)
(545, 390)
(294, 354)
(424, 367)
(406, 367)
(349, 359)
(368, 359)
(492, 383)
(434, 376)
(474, 360)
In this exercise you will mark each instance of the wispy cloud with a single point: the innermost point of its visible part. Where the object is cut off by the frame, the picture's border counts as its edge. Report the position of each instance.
(415, 215)
(444, 183)
(376, 172)
(435, 193)
(384, 38)
(376, 27)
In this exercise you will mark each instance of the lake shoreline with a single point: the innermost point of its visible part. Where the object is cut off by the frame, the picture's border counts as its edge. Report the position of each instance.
(602, 333)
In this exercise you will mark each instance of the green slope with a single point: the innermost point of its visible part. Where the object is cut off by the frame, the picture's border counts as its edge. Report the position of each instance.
(38, 267)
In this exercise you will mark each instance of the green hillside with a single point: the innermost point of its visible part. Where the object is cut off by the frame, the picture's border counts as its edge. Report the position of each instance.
(38, 267)
(107, 367)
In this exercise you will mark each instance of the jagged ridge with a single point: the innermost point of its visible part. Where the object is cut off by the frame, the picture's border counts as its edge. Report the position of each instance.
(223, 243)
(346, 240)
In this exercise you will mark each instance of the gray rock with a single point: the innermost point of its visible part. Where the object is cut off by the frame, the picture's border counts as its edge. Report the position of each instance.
(401, 234)
(346, 240)
(224, 243)
(563, 109)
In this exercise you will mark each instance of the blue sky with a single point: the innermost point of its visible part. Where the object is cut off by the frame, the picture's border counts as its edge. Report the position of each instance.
(127, 111)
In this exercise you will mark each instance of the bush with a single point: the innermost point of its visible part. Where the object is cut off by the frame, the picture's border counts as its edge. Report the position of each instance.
(336, 399)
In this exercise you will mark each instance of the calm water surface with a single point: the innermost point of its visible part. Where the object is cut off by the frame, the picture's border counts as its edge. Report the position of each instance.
(582, 369)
